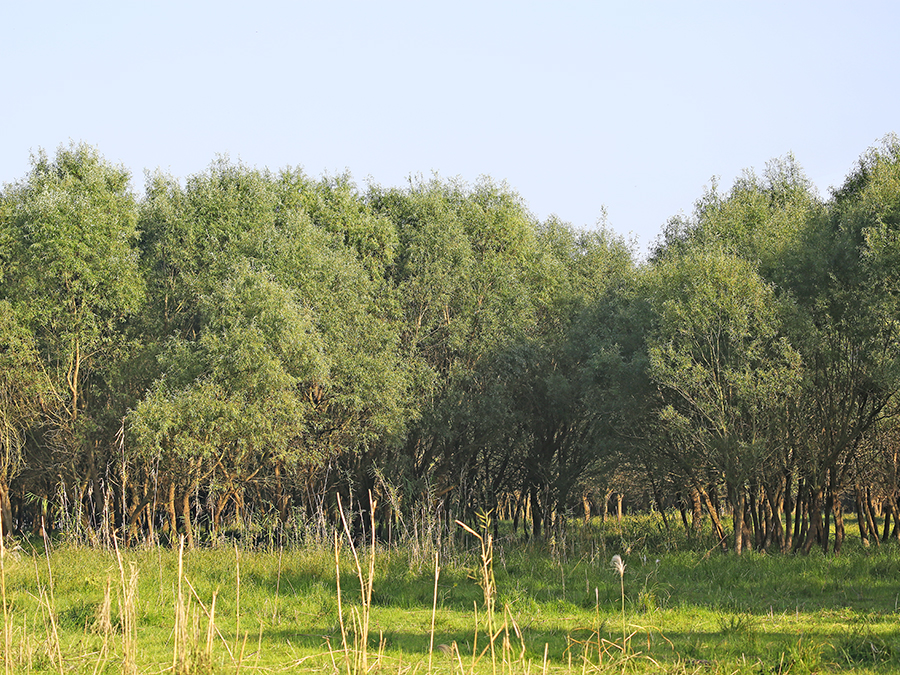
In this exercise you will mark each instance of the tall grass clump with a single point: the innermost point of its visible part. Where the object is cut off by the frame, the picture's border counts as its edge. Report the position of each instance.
(7, 627)
(357, 659)
(619, 566)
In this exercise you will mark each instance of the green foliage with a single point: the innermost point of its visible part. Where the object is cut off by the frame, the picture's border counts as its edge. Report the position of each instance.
(23, 384)
(70, 288)
(236, 349)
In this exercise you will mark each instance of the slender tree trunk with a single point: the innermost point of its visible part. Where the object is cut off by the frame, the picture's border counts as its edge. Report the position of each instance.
(826, 520)
(696, 511)
(787, 507)
(774, 530)
(753, 509)
(186, 518)
(714, 516)
(282, 498)
(838, 509)
(738, 499)
(814, 535)
(520, 499)
(861, 519)
(221, 503)
(870, 517)
(536, 514)
(801, 516)
(682, 511)
(888, 517)
(6, 521)
(173, 517)
(895, 533)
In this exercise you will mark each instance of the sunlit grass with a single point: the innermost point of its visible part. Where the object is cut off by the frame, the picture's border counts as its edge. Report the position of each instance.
(684, 610)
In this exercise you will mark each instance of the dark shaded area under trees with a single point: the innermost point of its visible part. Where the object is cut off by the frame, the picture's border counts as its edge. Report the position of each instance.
(241, 348)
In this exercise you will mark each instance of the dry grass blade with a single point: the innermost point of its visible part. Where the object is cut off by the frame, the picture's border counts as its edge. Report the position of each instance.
(619, 566)
(7, 628)
(51, 608)
(437, 573)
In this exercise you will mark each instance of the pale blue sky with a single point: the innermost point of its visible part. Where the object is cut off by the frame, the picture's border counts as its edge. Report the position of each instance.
(577, 105)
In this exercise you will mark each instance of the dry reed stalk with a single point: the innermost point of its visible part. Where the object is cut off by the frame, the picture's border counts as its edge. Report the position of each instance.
(51, 606)
(362, 616)
(180, 639)
(240, 659)
(127, 613)
(211, 628)
(597, 623)
(488, 582)
(277, 584)
(7, 628)
(619, 566)
(455, 648)
(337, 572)
(331, 654)
(237, 598)
(104, 624)
(518, 632)
(437, 573)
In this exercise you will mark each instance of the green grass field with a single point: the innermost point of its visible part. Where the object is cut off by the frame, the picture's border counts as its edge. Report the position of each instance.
(557, 608)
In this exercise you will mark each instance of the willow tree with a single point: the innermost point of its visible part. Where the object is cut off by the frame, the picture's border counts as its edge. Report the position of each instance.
(854, 340)
(721, 357)
(272, 337)
(72, 279)
(23, 388)
(463, 284)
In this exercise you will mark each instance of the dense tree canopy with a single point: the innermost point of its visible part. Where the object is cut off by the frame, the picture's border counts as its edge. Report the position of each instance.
(240, 347)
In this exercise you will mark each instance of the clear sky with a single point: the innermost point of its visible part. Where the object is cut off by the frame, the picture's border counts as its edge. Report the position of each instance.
(581, 105)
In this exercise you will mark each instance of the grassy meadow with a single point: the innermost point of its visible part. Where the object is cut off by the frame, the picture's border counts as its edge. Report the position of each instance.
(499, 606)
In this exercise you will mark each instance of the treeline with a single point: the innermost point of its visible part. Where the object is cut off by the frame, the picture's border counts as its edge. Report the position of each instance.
(241, 349)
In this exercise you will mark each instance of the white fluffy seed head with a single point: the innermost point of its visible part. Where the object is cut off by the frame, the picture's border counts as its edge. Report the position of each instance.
(618, 565)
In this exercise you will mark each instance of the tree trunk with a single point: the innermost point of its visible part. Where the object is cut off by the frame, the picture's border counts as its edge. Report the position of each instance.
(861, 519)
(536, 514)
(775, 530)
(788, 508)
(696, 512)
(814, 535)
(283, 499)
(753, 510)
(186, 518)
(838, 509)
(801, 512)
(6, 521)
(682, 511)
(870, 517)
(738, 499)
(888, 516)
(895, 533)
(173, 517)
(714, 516)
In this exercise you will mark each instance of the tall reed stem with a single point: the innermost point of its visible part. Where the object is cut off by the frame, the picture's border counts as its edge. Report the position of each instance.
(619, 566)
(7, 638)
(437, 573)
